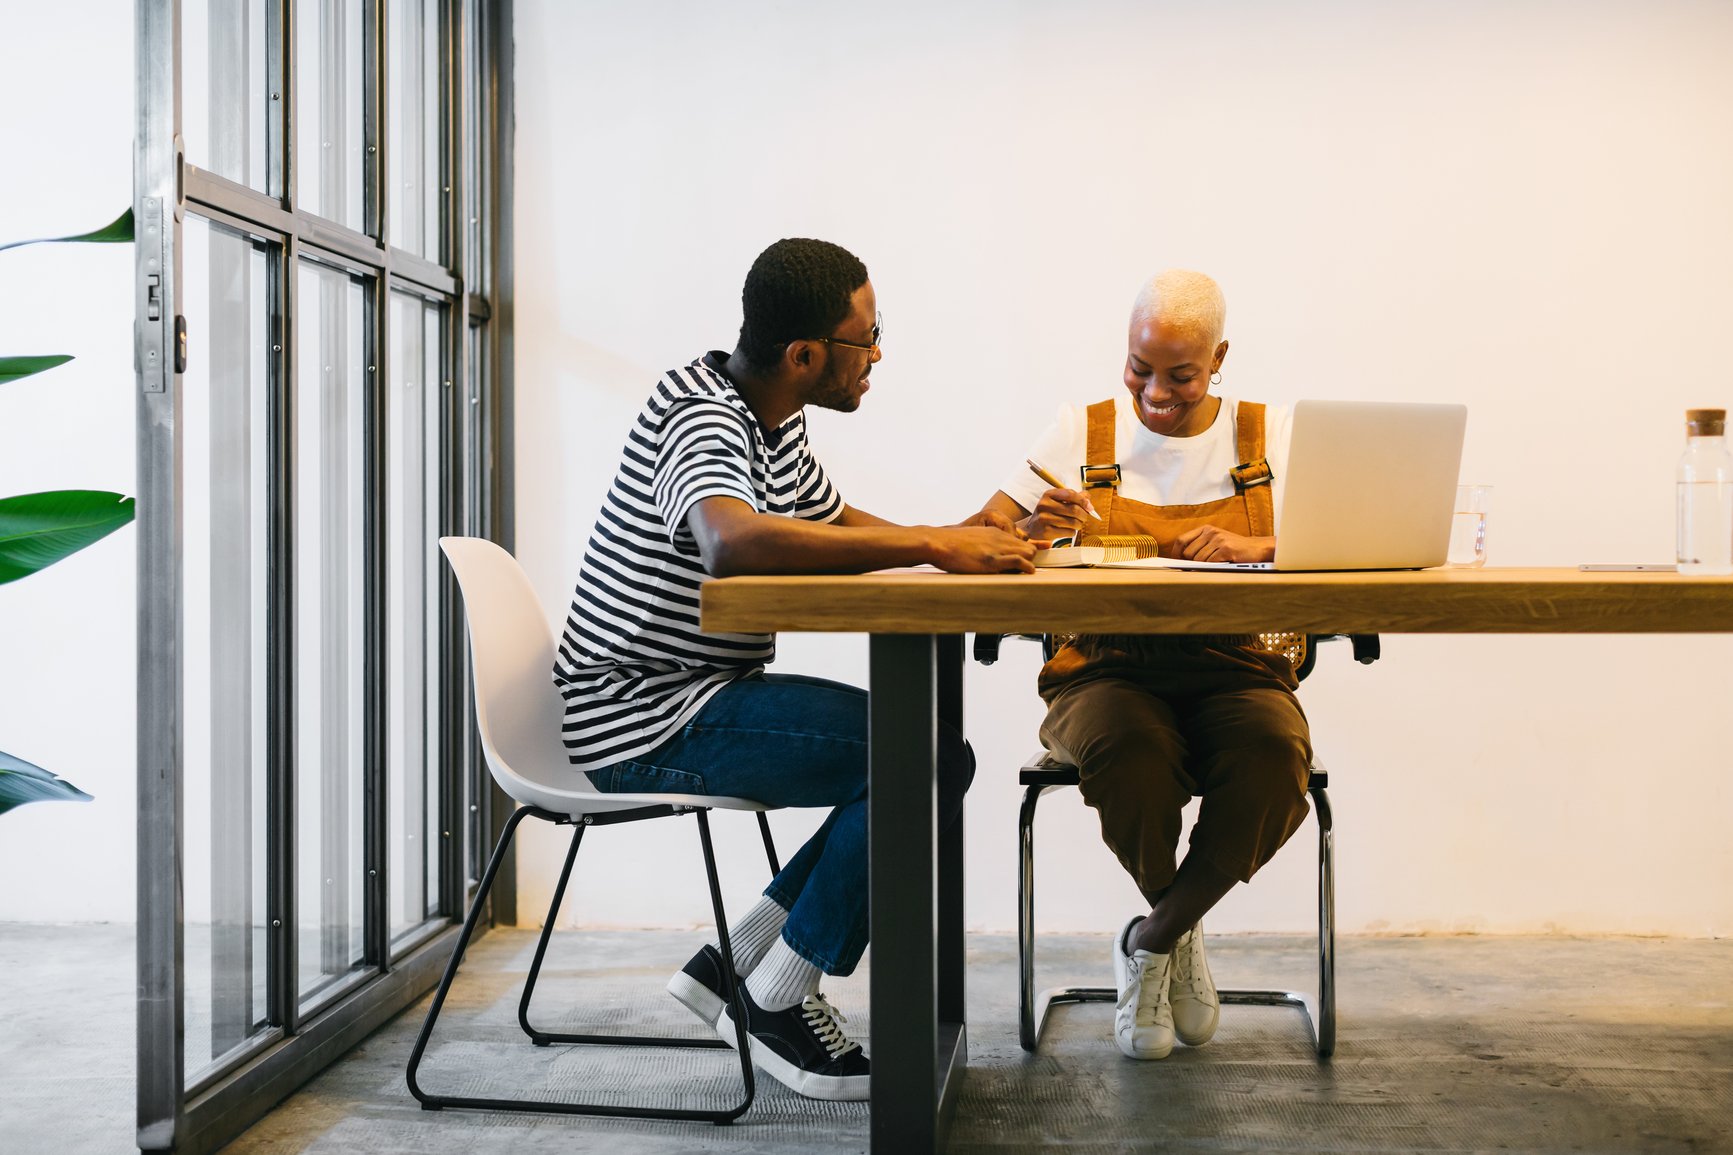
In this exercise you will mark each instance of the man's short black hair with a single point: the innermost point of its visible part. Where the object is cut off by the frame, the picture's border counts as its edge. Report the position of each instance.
(797, 288)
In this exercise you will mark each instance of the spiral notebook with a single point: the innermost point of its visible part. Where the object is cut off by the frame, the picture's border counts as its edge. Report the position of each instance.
(1126, 551)
(1099, 549)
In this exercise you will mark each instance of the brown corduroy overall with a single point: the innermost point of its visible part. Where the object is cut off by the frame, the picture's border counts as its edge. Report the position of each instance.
(1152, 721)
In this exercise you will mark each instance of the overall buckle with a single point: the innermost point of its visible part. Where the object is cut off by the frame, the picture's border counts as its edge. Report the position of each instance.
(1100, 476)
(1251, 474)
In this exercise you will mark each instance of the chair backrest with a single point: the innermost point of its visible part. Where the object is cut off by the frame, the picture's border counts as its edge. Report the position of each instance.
(518, 711)
(1296, 648)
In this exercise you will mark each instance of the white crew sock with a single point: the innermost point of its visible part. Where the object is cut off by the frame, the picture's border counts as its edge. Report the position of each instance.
(782, 979)
(755, 934)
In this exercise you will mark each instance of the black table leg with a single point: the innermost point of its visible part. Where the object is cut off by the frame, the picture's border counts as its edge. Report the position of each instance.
(915, 1050)
(953, 1048)
(951, 846)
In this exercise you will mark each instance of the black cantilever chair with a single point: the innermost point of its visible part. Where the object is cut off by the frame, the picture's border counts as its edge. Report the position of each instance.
(517, 712)
(1044, 772)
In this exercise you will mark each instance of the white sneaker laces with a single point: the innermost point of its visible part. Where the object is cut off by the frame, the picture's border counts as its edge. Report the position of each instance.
(1187, 981)
(826, 1022)
(1147, 991)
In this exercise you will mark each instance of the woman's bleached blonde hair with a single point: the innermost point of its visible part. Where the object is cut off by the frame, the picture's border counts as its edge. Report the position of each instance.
(1183, 299)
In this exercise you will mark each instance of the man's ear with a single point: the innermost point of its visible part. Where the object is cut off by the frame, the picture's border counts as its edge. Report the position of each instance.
(798, 355)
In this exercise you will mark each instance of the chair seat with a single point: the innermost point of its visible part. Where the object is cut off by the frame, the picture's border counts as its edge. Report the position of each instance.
(543, 786)
(578, 803)
(1044, 769)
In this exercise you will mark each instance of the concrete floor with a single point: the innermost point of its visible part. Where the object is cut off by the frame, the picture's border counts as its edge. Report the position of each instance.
(1446, 1044)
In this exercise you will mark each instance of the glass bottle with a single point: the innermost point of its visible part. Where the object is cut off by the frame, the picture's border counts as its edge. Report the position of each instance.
(1706, 495)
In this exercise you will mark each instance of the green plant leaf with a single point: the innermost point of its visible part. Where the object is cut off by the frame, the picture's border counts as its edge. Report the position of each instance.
(20, 782)
(14, 368)
(117, 231)
(38, 529)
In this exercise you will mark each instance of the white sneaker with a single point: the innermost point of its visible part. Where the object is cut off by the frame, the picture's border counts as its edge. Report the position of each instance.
(1196, 1009)
(1143, 1021)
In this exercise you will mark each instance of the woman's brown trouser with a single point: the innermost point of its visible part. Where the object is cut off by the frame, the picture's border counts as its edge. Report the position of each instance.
(1175, 719)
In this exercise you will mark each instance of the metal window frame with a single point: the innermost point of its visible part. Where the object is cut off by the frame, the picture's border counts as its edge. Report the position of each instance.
(172, 1116)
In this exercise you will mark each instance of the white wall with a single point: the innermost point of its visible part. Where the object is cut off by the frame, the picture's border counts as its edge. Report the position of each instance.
(1527, 207)
(67, 665)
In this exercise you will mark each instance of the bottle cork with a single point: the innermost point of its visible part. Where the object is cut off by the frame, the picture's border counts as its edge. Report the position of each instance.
(1705, 422)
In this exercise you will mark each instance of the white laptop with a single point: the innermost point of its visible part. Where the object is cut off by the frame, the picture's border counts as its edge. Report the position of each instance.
(1370, 485)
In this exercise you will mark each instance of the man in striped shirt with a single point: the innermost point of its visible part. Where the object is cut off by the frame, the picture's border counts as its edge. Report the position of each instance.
(717, 478)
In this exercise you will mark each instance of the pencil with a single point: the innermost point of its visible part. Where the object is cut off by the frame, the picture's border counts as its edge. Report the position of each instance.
(1043, 474)
(1057, 484)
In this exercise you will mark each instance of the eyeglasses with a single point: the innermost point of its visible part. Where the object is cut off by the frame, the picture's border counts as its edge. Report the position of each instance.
(871, 350)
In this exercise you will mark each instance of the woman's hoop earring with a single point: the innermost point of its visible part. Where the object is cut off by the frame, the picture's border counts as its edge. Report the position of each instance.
(1216, 377)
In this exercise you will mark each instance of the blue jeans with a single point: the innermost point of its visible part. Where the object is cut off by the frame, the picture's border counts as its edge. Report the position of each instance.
(789, 740)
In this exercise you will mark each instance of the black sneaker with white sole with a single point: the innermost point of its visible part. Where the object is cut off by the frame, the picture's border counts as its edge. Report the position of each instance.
(699, 986)
(803, 1048)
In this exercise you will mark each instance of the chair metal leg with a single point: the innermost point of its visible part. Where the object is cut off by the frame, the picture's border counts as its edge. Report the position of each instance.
(543, 1038)
(769, 845)
(742, 1043)
(444, 988)
(1319, 1012)
(1027, 1034)
(540, 1038)
(1032, 1008)
(1326, 1020)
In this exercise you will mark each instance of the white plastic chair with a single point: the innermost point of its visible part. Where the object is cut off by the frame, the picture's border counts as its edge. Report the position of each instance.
(518, 714)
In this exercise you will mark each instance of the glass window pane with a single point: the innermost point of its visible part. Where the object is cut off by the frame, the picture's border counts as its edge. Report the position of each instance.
(330, 626)
(225, 534)
(329, 156)
(225, 88)
(414, 752)
(412, 75)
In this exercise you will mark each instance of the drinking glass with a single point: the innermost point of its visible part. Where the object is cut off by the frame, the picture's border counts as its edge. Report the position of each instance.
(1468, 527)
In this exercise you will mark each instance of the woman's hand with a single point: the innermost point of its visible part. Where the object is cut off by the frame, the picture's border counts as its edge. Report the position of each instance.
(1059, 513)
(1212, 543)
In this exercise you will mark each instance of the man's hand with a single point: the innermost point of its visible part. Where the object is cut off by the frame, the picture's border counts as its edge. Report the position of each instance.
(992, 519)
(981, 549)
(1059, 513)
(1212, 543)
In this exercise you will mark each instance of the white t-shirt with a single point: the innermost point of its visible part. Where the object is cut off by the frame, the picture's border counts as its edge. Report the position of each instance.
(1154, 469)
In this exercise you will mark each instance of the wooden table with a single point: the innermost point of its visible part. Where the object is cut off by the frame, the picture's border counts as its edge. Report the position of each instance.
(917, 618)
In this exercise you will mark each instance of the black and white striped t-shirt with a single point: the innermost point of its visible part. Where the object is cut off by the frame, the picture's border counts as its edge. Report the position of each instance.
(633, 666)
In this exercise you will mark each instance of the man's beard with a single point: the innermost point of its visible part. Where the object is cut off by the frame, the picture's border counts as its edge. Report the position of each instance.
(834, 391)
